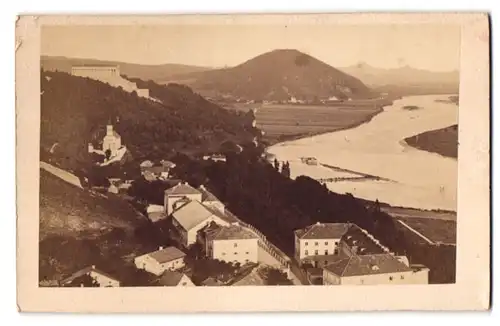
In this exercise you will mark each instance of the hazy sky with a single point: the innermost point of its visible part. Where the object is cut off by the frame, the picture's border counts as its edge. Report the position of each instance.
(432, 47)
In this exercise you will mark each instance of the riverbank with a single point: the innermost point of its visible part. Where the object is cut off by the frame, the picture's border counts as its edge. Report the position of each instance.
(441, 141)
(398, 176)
(270, 140)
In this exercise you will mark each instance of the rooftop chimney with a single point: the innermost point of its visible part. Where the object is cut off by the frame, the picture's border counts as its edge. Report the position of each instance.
(93, 266)
(160, 248)
(318, 223)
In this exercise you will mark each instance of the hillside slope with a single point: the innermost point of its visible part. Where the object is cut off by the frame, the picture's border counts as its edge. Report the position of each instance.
(79, 228)
(75, 111)
(278, 75)
(145, 72)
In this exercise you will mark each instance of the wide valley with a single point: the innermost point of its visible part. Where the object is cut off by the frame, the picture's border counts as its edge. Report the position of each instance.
(373, 162)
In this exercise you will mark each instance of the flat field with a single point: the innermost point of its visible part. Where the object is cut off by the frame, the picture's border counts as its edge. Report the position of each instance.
(285, 122)
(436, 230)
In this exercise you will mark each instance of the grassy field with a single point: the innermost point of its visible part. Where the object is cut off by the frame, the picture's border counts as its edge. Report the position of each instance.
(442, 141)
(436, 230)
(282, 122)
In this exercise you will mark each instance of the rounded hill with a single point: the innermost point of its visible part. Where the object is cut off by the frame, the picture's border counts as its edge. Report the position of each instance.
(281, 75)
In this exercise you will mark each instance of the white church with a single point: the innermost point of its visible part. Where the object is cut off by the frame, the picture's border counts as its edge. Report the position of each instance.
(112, 141)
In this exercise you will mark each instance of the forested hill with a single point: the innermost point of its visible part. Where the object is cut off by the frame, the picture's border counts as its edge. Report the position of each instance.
(75, 111)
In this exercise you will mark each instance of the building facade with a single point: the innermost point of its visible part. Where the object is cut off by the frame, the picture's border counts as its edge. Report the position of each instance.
(181, 191)
(373, 270)
(157, 262)
(111, 141)
(96, 71)
(320, 239)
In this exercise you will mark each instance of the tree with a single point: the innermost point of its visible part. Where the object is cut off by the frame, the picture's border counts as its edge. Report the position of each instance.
(276, 164)
(285, 169)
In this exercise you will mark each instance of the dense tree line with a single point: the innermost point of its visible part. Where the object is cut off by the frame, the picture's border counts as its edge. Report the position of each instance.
(75, 111)
(262, 196)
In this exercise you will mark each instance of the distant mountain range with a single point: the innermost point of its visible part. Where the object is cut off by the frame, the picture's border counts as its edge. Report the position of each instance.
(405, 79)
(144, 72)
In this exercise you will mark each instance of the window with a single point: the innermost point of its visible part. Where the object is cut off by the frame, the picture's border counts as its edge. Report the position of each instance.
(248, 253)
(184, 283)
(336, 243)
(223, 254)
(235, 253)
(326, 243)
(235, 245)
(315, 252)
(326, 252)
(390, 278)
(316, 243)
(402, 277)
(335, 252)
(305, 243)
(306, 252)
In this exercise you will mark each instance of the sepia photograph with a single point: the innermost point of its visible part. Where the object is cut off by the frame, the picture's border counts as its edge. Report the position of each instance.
(260, 155)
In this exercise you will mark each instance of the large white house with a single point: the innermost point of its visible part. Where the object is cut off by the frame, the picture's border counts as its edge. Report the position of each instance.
(319, 239)
(373, 270)
(233, 243)
(161, 260)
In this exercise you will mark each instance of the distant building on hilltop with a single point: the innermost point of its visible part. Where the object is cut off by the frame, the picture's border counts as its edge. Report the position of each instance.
(96, 71)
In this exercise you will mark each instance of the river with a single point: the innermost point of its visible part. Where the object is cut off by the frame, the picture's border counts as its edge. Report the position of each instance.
(416, 178)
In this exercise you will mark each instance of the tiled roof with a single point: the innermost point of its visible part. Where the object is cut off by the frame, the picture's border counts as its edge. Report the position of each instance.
(192, 214)
(171, 278)
(323, 231)
(367, 265)
(146, 163)
(366, 244)
(168, 164)
(206, 195)
(233, 232)
(155, 169)
(182, 189)
(166, 255)
(226, 215)
(85, 271)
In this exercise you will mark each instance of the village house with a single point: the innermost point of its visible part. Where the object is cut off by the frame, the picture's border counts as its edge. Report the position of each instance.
(215, 157)
(155, 212)
(373, 270)
(174, 278)
(233, 243)
(164, 259)
(181, 191)
(189, 216)
(322, 243)
(209, 199)
(318, 239)
(101, 278)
